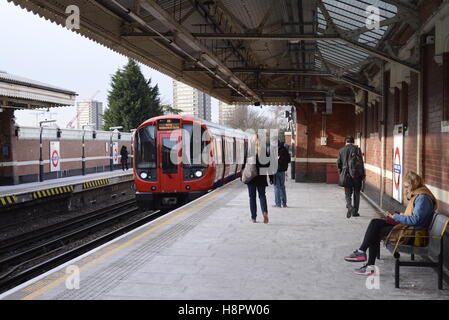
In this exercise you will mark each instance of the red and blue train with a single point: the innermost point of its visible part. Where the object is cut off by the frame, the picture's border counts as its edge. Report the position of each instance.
(179, 158)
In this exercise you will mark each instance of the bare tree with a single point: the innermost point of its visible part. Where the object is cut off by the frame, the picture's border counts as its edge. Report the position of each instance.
(246, 118)
(278, 117)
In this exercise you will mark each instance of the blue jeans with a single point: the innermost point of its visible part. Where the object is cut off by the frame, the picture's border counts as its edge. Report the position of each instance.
(252, 199)
(280, 196)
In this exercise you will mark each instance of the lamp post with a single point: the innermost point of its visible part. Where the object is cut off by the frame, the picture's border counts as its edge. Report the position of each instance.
(83, 156)
(132, 146)
(111, 161)
(293, 140)
(41, 160)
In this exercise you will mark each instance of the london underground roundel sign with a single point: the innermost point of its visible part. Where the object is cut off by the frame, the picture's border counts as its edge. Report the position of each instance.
(397, 168)
(55, 158)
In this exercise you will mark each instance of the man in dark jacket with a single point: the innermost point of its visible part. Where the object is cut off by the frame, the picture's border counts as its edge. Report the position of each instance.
(280, 196)
(350, 162)
(124, 158)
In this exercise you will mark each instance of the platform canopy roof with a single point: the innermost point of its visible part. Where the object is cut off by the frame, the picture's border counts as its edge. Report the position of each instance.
(251, 51)
(22, 93)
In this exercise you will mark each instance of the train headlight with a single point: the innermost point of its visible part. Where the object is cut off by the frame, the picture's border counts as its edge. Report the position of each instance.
(144, 175)
(198, 174)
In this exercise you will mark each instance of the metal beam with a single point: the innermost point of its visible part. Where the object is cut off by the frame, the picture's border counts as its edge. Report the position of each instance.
(402, 6)
(242, 36)
(357, 84)
(295, 37)
(270, 71)
(184, 35)
(380, 54)
(331, 26)
(357, 32)
(299, 90)
(206, 13)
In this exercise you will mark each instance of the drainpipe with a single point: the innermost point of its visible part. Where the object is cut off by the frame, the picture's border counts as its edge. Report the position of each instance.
(419, 135)
(383, 136)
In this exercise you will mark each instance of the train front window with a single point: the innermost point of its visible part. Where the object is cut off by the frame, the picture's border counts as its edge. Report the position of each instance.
(169, 151)
(193, 146)
(146, 148)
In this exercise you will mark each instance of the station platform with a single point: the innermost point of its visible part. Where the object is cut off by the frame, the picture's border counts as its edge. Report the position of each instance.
(210, 250)
(10, 195)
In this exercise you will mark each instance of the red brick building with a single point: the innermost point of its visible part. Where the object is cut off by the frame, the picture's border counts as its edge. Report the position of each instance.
(412, 104)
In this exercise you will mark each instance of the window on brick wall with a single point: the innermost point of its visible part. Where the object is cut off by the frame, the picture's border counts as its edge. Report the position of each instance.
(386, 98)
(397, 105)
(380, 114)
(376, 117)
(446, 86)
(404, 103)
(369, 120)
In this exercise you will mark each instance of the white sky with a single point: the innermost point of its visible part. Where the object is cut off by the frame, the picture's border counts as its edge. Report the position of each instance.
(35, 48)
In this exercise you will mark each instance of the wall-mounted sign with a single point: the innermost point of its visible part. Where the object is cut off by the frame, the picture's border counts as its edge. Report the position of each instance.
(115, 152)
(398, 162)
(55, 156)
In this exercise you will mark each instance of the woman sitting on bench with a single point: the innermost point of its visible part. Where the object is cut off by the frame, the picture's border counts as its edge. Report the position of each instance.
(419, 212)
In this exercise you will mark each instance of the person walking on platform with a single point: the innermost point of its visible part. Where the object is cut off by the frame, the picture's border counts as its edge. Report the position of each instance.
(124, 159)
(280, 196)
(352, 173)
(418, 214)
(258, 185)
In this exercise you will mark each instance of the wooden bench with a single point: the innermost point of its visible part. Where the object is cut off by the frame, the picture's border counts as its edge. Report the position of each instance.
(433, 250)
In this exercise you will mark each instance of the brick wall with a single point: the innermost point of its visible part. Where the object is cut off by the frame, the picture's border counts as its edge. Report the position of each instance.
(312, 158)
(6, 144)
(435, 164)
(25, 152)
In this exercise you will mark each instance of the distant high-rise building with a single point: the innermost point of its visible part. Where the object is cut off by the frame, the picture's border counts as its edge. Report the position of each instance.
(225, 113)
(191, 101)
(90, 112)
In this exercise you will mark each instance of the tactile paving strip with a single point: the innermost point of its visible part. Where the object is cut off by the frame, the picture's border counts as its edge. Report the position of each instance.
(107, 278)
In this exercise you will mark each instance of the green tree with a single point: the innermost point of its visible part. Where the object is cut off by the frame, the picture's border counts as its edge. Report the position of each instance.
(132, 99)
(168, 109)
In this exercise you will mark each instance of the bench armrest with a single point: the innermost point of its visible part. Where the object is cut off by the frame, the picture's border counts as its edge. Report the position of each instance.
(415, 236)
(410, 236)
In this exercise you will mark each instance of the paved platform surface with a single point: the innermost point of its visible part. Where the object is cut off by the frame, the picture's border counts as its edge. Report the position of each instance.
(209, 249)
(61, 182)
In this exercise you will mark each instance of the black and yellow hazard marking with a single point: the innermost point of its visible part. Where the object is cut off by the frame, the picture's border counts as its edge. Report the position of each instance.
(96, 183)
(9, 200)
(52, 192)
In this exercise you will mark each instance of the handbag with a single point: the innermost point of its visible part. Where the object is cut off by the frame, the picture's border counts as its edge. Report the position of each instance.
(249, 172)
(345, 179)
(400, 235)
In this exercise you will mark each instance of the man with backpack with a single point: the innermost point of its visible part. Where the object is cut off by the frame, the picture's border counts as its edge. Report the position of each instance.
(280, 195)
(352, 173)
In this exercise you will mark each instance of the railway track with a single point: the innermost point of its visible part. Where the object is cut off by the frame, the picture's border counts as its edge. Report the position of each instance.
(26, 256)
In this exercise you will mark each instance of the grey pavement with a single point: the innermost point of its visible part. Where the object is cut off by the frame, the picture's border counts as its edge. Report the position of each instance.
(211, 250)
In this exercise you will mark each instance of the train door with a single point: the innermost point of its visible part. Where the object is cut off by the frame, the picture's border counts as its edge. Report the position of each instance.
(170, 165)
(234, 157)
(219, 165)
(224, 158)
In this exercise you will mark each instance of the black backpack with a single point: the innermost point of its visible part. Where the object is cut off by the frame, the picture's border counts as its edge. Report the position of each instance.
(355, 163)
(284, 159)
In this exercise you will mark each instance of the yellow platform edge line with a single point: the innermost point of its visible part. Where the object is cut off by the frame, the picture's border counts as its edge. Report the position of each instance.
(113, 250)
